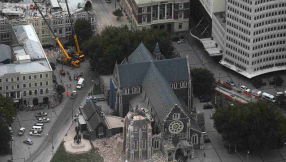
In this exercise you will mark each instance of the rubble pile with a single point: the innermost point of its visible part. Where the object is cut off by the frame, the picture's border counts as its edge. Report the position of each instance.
(110, 149)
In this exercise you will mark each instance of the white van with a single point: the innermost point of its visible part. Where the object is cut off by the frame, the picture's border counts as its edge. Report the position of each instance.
(268, 96)
(39, 124)
(80, 83)
(37, 128)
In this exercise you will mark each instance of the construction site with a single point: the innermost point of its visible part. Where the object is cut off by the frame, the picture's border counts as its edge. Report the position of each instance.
(25, 12)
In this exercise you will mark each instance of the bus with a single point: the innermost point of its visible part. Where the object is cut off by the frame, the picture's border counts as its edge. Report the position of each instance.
(268, 96)
(80, 83)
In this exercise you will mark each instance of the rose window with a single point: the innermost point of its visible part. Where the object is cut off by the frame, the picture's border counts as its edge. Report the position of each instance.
(176, 126)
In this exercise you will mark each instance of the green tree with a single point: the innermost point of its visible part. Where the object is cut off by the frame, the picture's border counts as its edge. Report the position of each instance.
(114, 44)
(5, 137)
(117, 13)
(7, 112)
(203, 81)
(252, 126)
(7, 109)
(83, 30)
(61, 89)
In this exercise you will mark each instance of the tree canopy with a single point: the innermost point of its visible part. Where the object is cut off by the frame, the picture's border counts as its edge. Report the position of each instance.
(83, 30)
(7, 112)
(114, 44)
(60, 89)
(253, 126)
(7, 109)
(117, 13)
(203, 81)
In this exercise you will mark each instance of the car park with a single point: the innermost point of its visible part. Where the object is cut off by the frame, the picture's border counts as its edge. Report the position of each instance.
(36, 133)
(41, 114)
(28, 141)
(208, 106)
(181, 41)
(21, 131)
(43, 120)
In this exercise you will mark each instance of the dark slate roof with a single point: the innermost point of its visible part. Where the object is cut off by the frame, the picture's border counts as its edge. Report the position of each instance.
(158, 90)
(173, 69)
(5, 52)
(132, 74)
(92, 117)
(141, 54)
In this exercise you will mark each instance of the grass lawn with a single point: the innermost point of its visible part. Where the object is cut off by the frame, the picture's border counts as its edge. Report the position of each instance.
(62, 156)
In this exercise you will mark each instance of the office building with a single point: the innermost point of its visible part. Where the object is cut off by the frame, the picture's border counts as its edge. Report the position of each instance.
(157, 14)
(255, 36)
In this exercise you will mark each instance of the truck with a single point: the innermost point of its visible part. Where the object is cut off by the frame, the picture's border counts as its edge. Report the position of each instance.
(256, 92)
(78, 53)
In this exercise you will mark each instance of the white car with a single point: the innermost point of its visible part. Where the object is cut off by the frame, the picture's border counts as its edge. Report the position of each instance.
(36, 133)
(244, 88)
(44, 120)
(21, 131)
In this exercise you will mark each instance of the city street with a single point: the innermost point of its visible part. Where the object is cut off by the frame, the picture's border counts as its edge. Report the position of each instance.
(198, 57)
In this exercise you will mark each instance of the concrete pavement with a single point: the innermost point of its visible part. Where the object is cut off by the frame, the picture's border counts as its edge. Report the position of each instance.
(105, 17)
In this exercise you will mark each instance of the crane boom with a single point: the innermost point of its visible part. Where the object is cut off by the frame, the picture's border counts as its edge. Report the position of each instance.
(74, 34)
(56, 38)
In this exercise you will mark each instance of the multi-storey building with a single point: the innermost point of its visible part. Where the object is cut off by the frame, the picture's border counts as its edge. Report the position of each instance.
(158, 14)
(255, 36)
(27, 78)
(59, 21)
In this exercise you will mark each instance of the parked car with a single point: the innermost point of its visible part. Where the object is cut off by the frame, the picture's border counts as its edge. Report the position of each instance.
(10, 129)
(206, 138)
(28, 141)
(211, 116)
(73, 94)
(43, 120)
(181, 41)
(36, 133)
(244, 88)
(208, 106)
(204, 98)
(21, 131)
(41, 114)
(230, 82)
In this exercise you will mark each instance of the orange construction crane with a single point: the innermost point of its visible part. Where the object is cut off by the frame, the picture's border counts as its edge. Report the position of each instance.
(65, 59)
(78, 54)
